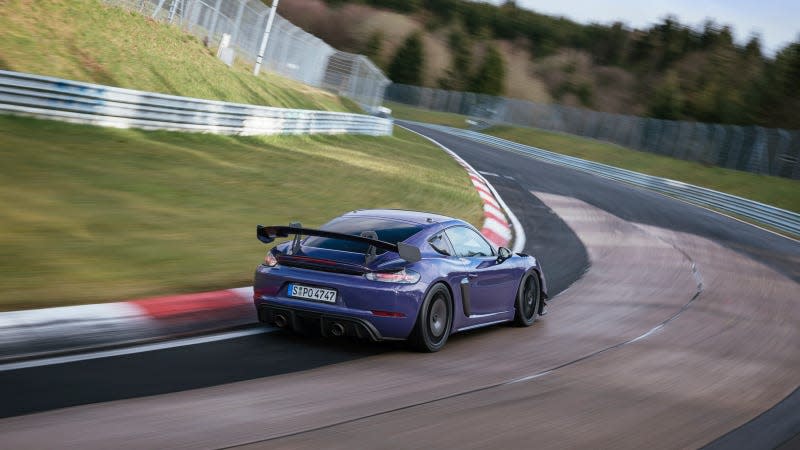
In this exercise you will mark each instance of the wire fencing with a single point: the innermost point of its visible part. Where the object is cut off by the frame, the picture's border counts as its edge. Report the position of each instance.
(781, 219)
(290, 51)
(768, 151)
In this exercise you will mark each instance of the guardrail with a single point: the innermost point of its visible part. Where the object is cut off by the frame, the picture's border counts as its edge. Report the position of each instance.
(777, 218)
(73, 101)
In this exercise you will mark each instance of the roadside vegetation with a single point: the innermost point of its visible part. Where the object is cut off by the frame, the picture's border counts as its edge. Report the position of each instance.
(93, 214)
(668, 70)
(780, 192)
(402, 111)
(91, 41)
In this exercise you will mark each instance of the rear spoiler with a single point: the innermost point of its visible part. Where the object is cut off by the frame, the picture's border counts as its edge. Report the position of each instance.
(267, 234)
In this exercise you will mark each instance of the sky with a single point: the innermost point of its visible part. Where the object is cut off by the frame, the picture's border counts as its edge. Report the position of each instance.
(776, 21)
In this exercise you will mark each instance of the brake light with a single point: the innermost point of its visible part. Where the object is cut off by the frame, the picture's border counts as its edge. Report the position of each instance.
(270, 260)
(403, 276)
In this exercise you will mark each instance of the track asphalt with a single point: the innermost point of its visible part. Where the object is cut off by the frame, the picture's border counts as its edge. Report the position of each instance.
(555, 244)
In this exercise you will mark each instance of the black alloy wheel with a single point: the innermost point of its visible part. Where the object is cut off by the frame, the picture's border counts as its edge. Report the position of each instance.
(434, 321)
(529, 299)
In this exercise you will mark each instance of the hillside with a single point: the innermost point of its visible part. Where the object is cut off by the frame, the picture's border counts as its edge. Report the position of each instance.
(668, 71)
(88, 40)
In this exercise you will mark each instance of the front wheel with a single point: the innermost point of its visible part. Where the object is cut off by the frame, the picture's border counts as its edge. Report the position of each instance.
(434, 321)
(529, 298)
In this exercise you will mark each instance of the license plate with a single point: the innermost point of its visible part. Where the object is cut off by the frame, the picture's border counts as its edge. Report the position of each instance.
(312, 293)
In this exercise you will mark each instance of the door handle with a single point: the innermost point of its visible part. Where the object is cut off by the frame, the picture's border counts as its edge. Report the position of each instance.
(472, 275)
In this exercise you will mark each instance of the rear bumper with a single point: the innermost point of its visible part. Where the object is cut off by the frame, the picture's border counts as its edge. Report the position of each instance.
(328, 324)
(359, 303)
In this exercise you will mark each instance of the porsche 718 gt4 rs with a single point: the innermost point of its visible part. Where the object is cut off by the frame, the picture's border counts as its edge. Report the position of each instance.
(394, 275)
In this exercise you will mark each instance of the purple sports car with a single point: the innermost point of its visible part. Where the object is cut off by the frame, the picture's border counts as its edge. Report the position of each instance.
(394, 275)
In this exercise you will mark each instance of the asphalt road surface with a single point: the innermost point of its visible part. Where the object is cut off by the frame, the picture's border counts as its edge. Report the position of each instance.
(673, 327)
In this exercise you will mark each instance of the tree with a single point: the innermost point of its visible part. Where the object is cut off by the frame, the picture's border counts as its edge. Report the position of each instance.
(667, 101)
(490, 77)
(753, 47)
(408, 62)
(458, 74)
(373, 46)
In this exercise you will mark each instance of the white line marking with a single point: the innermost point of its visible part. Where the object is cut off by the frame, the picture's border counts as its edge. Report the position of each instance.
(508, 176)
(728, 216)
(491, 174)
(137, 349)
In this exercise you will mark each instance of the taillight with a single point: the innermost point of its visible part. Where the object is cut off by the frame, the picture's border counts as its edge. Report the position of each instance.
(403, 276)
(270, 260)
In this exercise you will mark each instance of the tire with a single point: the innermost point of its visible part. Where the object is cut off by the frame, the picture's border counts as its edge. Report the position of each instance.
(434, 321)
(529, 300)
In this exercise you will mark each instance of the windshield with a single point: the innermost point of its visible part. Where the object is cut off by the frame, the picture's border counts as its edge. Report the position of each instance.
(387, 230)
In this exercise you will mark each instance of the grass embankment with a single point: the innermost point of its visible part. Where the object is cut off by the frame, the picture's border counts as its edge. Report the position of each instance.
(88, 40)
(406, 112)
(93, 214)
(781, 192)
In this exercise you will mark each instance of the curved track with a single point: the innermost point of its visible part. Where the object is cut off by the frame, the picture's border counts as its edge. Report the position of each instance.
(684, 327)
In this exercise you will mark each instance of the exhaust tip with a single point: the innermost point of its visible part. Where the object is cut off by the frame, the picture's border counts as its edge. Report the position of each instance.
(337, 329)
(280, 321)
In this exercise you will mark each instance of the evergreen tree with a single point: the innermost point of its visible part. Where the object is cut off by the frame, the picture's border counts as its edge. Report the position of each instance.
(458, 74)
(490, 77)
(667, 101)
(373, 46)
(408, 62)
(753, 48)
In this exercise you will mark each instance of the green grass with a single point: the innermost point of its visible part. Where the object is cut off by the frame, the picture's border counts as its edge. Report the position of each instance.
(92, 214)
(88, 40)
(401, 111)
(781, 192)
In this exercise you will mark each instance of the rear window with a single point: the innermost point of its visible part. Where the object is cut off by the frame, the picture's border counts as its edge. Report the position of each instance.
(387, 230)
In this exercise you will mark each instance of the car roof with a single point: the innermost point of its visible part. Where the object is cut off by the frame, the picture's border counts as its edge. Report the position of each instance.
(416, 217)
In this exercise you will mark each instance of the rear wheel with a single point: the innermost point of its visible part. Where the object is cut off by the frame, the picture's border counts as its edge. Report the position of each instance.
(434, 320)
(529, 299)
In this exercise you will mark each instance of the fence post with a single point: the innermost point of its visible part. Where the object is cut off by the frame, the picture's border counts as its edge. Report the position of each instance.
(757, 158)
(796, 141)
(213, 28)
(735, 148)
(158, 8)
(265, 38)
(173, 8)
(238, 22)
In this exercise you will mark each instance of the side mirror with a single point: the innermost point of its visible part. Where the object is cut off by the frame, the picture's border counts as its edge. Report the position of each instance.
(503, 254)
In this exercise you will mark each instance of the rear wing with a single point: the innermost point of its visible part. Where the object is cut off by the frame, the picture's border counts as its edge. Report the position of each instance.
(267, 234)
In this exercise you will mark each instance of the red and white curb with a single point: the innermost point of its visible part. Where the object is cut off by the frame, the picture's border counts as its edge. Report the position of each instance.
(46, 331)
(500, 225)
(41, 332)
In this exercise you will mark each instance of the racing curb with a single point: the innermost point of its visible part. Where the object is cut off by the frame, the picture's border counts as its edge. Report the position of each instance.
(500, 225)
(45, 332)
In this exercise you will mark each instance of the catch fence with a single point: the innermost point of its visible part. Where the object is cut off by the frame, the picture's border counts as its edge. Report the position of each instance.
(290, 51)
(754, 149)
